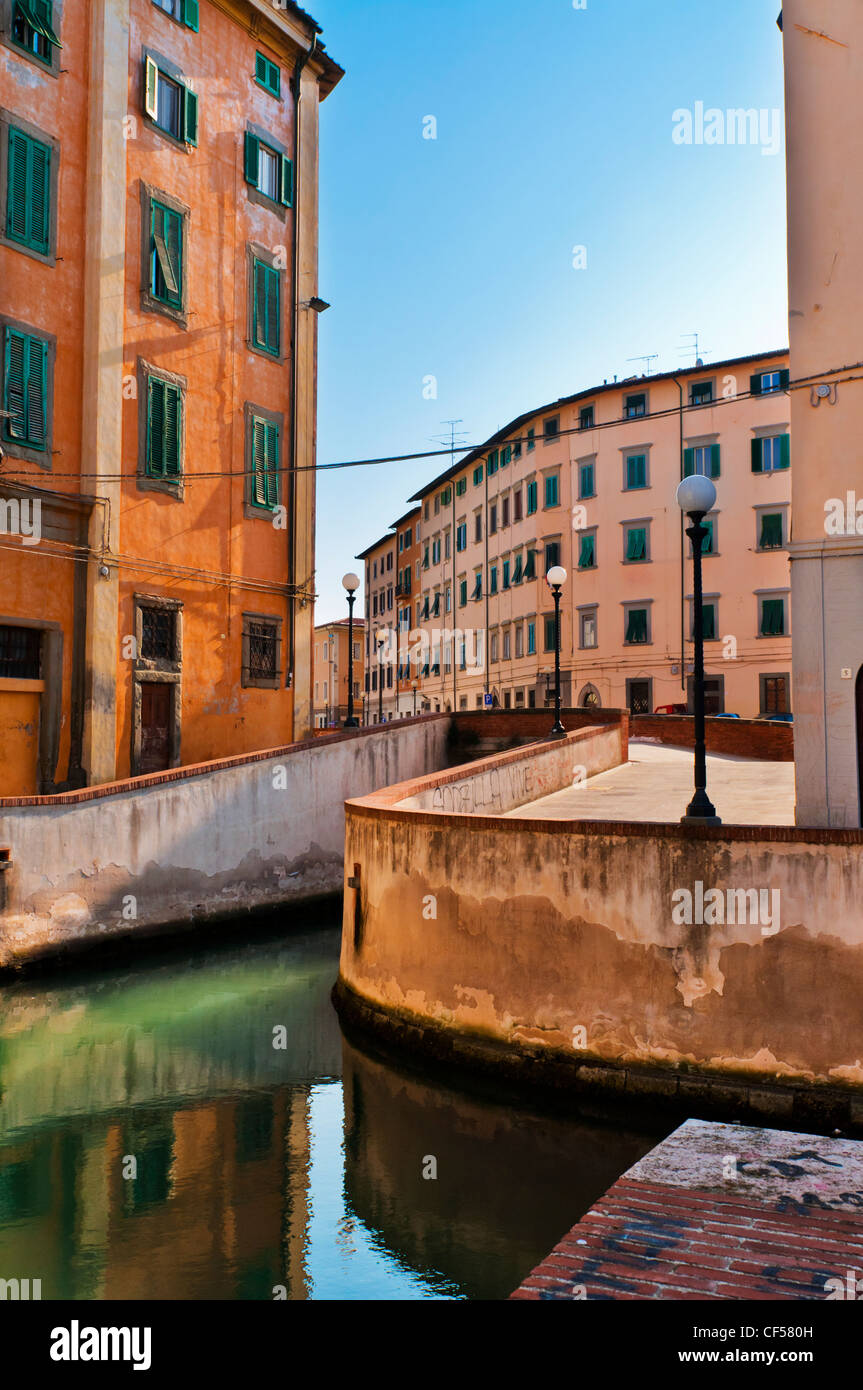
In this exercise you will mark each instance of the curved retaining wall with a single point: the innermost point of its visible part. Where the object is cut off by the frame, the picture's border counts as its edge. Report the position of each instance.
(557, 951)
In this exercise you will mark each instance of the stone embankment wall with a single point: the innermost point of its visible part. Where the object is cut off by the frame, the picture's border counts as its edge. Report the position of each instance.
(720, 964)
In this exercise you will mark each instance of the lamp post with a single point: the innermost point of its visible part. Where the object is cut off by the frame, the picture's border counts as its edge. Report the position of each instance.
(414, 687)
(557, 578)
(351, 583)
(695, 496)
(381, 641)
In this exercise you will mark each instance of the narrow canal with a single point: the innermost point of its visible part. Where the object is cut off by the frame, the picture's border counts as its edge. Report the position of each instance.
(196, 1126)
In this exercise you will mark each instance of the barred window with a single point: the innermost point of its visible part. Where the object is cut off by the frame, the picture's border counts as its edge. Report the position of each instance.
(158, 633)
(20, 653)
(262, 651)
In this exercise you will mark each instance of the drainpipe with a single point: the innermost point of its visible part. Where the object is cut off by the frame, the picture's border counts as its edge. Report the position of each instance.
(295, 328)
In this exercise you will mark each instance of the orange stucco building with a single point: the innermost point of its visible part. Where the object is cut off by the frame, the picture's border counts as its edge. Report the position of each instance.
(158, 310)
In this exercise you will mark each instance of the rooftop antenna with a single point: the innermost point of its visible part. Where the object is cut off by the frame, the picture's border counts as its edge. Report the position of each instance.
(647, 357)
(693, 347)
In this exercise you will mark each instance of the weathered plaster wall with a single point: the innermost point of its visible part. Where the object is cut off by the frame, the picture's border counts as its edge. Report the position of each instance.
(182, 847)
(558, 940)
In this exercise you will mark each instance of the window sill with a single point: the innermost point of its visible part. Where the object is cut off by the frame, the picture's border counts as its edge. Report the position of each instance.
(265, 352)
(51, 68)
(151, 305)
(176, 490)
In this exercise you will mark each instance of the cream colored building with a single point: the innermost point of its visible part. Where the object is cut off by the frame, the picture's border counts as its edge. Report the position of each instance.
(824, 110)
(589, 482)
(335, 664)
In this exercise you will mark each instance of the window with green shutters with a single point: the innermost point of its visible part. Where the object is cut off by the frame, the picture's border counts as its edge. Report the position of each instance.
(28, 192)
(166, 255)
(771, 531)
(636, 471)
(772, 617)
(266, 308)
(531, 639)
(269, 171)
(703, 460)
(586, 481)
(766, 383)
(462, 593)
(25, 389)
(708, 621)
(550, 634)
(492, 579)
(530, 565)
(32, 28)
(268, 74)
(506, 574)
(771, 454)
(492, 462)
(636, 625)
(518, 571)
(170, 104)
(636, 543)
(461, 537)
(506, 456)
(531, 498)
(708, 545)
(531, 439)
(184, 11)
(446, 497)
(477, 475)
(265, 464)
(164, 430)
(461, 487)
(552, 555)
(551, 490)
(477, 587)
(587, 552)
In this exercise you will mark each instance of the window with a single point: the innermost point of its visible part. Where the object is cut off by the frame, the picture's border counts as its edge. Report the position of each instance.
(586, 481)
(587, 629)
(530, 565)
(166, 255)
(774, 694)
(635, 544)
(516, 449)
(704, 459)
(477, 475)
(531, 639)
(506, 456)
(550, 634)
(770, 535)
(635, 406)
(587, 551)
(170, 104)
(460, 537)
(426, 556)
(462, 593)
(516, 506)
(701, 393)
(506, 645)
(494, 647)
(478, 526)
(268, 171)
(771, 453)
(492, 579)
(638, 696)
(552, 555)
(461, 487)
(506, 574)
(491, 467)
(477, 588)
(636, 471)
(447, 551)
(32, 28)
(265, 464)
(268, 74)
(772, 622)
(709, 622)
(25, 389)
(262, 652)
(531, 439)
(585, 418)
(21, 653)
(551, 429)
(28, 192)
(164, 429)
(504, 511)
(637, 629)
(158, 634)
(767, 383)
(436, 550)
(186, 11)
(401, 544)
(266, 308)
(492, 519)
(552, 498)
(446, 497)
(708, 545)
(518, 570)
(531, 498)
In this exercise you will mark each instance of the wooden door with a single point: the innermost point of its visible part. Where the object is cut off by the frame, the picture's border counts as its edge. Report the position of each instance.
(156, 710)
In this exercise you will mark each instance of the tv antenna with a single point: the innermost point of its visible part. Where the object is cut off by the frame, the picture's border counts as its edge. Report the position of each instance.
(693, 347)
(647, 358)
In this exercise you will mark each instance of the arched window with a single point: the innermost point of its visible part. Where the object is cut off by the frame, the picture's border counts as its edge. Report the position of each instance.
(590, 698)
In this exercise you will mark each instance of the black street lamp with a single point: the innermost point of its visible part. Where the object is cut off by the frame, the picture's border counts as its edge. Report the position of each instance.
(414, 686)
(557, 578)
(381, 641)
(696, 496)
(351, 583)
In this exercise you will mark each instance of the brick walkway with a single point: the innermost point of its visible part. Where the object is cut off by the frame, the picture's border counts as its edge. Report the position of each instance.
(787, 1220)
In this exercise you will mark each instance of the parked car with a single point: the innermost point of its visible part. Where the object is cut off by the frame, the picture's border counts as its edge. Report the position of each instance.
(778, 718)
(726, 716)
(671, 709)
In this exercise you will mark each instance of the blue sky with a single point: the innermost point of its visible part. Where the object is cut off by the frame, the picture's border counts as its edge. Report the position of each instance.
(453, 257)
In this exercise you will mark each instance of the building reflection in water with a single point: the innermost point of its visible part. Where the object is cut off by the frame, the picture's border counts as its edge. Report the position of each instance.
(254, 1171)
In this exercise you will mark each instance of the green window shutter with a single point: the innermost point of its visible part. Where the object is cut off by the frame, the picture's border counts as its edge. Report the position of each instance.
(636, 544)
(266, 329)
(784, 379)
(164, 429)
(167, 233)
(506, 574)
(173, 431)
(506, 456)
(771, 531)
(531, 439)
(272, 479)
(155, 427)
(715, 457)
(707, 545)
(18, 194)
(636, 625)
(531, 498)
(37, 384)
(757, 456)
(190, 116)
(251, 159)
(151, 89)
(587, 553)
(755, 384)
(190, 14)
(785, 451)
(517, 572)
(38, 14)
(14, 376)
(265, 457)
(531, 639)
(772, 617)
(688, 462)
(261, 69)
(530, 565)
(708, 622)
(287, 183)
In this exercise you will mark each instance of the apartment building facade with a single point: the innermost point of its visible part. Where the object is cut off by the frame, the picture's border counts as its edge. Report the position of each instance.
(158, 272)
(380, 681)
(589, 482)
(337, 664)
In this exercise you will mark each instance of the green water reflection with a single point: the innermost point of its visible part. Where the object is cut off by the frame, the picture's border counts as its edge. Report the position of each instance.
(154, 1143)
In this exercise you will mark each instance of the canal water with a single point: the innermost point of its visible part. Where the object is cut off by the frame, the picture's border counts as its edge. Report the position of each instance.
(196, 1126)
